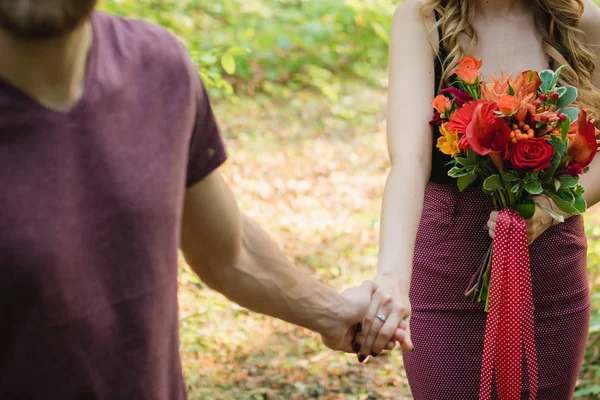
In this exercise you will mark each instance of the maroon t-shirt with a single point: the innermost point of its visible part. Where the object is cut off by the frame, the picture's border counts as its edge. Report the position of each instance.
(90, 215)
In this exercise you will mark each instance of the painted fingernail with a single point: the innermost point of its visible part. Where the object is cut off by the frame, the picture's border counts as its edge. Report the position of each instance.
(373, 354)
(357, 347)
(361, 358)
(358, 328)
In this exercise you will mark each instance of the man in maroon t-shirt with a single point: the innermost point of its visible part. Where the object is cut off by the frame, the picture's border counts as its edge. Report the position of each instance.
(108, 158)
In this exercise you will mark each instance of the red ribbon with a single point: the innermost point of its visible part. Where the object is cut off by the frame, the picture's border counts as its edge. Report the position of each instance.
(509, 329)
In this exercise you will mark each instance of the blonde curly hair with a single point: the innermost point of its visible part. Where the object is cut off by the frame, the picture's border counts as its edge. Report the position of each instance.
(557, 20)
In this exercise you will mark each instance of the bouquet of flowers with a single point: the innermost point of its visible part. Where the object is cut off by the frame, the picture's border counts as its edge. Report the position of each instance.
(520, 138)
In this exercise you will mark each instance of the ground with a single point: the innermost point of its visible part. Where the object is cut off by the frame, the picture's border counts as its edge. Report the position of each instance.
(312, 174)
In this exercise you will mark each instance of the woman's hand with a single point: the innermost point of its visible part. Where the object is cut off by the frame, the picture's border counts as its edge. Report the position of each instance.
(536, 225)
(386, 320)
(344, 327)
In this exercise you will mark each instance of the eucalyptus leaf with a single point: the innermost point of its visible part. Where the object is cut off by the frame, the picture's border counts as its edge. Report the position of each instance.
(546, 76)
(571, 113)
(561, 90)
(568, 98)
(556, 76)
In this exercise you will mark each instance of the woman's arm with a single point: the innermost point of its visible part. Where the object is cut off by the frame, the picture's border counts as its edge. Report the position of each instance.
(411, 89)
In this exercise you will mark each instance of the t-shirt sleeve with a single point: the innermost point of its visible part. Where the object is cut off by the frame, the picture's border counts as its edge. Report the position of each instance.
(207, 150)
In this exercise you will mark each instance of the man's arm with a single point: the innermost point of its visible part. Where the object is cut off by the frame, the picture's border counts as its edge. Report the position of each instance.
(237, 258)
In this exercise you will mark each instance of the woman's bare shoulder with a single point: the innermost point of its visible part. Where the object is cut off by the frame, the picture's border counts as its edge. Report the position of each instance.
(409, 13)
(590, 22)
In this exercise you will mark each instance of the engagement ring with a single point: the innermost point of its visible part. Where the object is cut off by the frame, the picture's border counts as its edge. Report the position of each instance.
(381, 317)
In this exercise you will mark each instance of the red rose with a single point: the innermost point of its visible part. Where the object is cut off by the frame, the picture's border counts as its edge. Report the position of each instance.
(531, 155)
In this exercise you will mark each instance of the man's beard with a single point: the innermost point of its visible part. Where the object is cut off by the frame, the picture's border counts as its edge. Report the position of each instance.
(43, 19)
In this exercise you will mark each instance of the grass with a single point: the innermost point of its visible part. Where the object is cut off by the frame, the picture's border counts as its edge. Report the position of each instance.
(312, 174)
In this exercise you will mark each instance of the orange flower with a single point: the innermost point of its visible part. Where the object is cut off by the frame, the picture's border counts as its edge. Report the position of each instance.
(462, 117)
(526, 83)
(468, 70)
(448, 142)
(584, 146)
(508, 104)
(441, 104)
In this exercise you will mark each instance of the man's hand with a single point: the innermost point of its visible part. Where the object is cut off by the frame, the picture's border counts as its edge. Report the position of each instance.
(343, 331)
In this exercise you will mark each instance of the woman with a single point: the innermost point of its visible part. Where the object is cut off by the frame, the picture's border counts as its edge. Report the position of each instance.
(433, 237)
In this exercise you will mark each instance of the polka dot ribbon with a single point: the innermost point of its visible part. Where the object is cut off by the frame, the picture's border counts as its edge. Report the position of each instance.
(509, 327)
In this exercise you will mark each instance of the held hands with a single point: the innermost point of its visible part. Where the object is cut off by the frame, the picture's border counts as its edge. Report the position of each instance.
(386, 321)
(536, 225)
(342, 335)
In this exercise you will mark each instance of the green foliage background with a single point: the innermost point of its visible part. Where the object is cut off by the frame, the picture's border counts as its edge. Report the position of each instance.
(275, 46)
(278, 47)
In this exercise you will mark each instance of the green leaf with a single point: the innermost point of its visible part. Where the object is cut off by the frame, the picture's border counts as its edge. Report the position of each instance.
(580, 204)
(549, 173)
(557, 185)
(472, 156)
(228, 63)
(579, 190)
(551, 212)
(238, 51)
(493, 183)
(568, 98)
(564, 130)
(516, 187)
(533, 187)
(511, 176)
(457, 172)
(511, 91)
(381, 32)
(526, 208)
(463, 161)
(568, 181)
(571, 113)
(556, 76)
(465, 181)
(563, 205)
(558, 145)
(546, 76)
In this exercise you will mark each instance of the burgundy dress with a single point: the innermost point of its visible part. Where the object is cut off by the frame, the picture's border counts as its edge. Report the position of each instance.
(448, 328)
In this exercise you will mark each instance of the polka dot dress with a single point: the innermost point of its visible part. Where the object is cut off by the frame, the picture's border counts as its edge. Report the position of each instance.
(448, 328)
